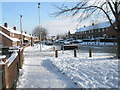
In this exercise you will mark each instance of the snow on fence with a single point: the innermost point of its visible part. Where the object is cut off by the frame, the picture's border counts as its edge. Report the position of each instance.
(12, 58)
(11, 67)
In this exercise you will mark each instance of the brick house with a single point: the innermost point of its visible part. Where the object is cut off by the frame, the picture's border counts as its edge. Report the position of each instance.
(96, 31)
(9, 31)
(7, 40)
(12, 32)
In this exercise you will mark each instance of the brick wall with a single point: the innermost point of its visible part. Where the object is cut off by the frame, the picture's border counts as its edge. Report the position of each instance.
(12, 71)
(5, 31)
(6, 41)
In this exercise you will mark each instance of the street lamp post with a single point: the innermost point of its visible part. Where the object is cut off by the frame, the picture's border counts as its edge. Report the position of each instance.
(39, 25)
(21, 30)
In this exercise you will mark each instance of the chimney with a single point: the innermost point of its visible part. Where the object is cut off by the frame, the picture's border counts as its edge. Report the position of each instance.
(6, 25)
(14, 28)
(25, 32)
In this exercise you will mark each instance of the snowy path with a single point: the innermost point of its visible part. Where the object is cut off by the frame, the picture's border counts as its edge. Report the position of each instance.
(38, 72)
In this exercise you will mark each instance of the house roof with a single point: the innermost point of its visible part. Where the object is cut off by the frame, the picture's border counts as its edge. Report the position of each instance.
(12, 39)
(10, 30)
(96, 26)
(27, 35)
(14, 31)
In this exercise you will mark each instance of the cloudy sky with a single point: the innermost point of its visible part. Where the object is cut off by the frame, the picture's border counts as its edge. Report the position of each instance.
(11, 12)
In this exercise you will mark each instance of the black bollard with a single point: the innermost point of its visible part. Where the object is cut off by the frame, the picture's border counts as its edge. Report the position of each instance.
(75, 54)
(90, 53)
(56, 53)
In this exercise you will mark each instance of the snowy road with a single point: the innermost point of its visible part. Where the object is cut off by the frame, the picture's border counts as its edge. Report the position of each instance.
(38, 72)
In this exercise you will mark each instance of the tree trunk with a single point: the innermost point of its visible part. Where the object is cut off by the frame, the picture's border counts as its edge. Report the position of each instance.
(118, 45)
(118, 40)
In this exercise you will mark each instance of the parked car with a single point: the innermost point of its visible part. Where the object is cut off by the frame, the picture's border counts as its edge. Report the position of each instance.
(67, 42)
(77, 41)
(60, 41)
(49, 43)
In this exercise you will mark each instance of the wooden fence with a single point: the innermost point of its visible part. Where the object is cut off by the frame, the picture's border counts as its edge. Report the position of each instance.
(10, 70)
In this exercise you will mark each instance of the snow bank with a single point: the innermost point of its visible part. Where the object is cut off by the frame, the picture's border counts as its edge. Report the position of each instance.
(100, 71)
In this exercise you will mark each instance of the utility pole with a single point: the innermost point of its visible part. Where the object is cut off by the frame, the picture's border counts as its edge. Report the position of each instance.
(21, 38)
(39, 26)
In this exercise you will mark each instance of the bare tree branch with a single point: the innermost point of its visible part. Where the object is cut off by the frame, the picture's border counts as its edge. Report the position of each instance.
(86, 9)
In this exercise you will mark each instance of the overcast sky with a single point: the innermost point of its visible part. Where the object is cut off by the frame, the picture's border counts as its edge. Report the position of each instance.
(11, 12)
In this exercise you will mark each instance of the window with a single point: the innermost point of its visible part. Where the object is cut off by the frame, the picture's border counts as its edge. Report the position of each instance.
(103, 30)
(12, 34)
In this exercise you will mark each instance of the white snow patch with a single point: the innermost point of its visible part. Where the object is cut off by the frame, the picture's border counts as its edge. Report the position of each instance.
(99, 71)
(38, 72)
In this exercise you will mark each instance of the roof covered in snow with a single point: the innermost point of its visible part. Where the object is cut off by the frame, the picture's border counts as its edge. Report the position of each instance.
(14, 31)
(12, 39)
(96, 26)
(10, 30)
(27, 35)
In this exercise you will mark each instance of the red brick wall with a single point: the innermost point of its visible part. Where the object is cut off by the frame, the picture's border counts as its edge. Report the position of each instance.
(12, 71)
(5, 31)
(6, 41)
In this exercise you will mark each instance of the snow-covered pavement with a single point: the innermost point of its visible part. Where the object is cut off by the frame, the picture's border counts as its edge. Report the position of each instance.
(38, 72)
(43, 70)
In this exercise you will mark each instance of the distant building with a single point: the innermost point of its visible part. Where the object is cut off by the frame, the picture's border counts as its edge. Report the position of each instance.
(96, 31)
